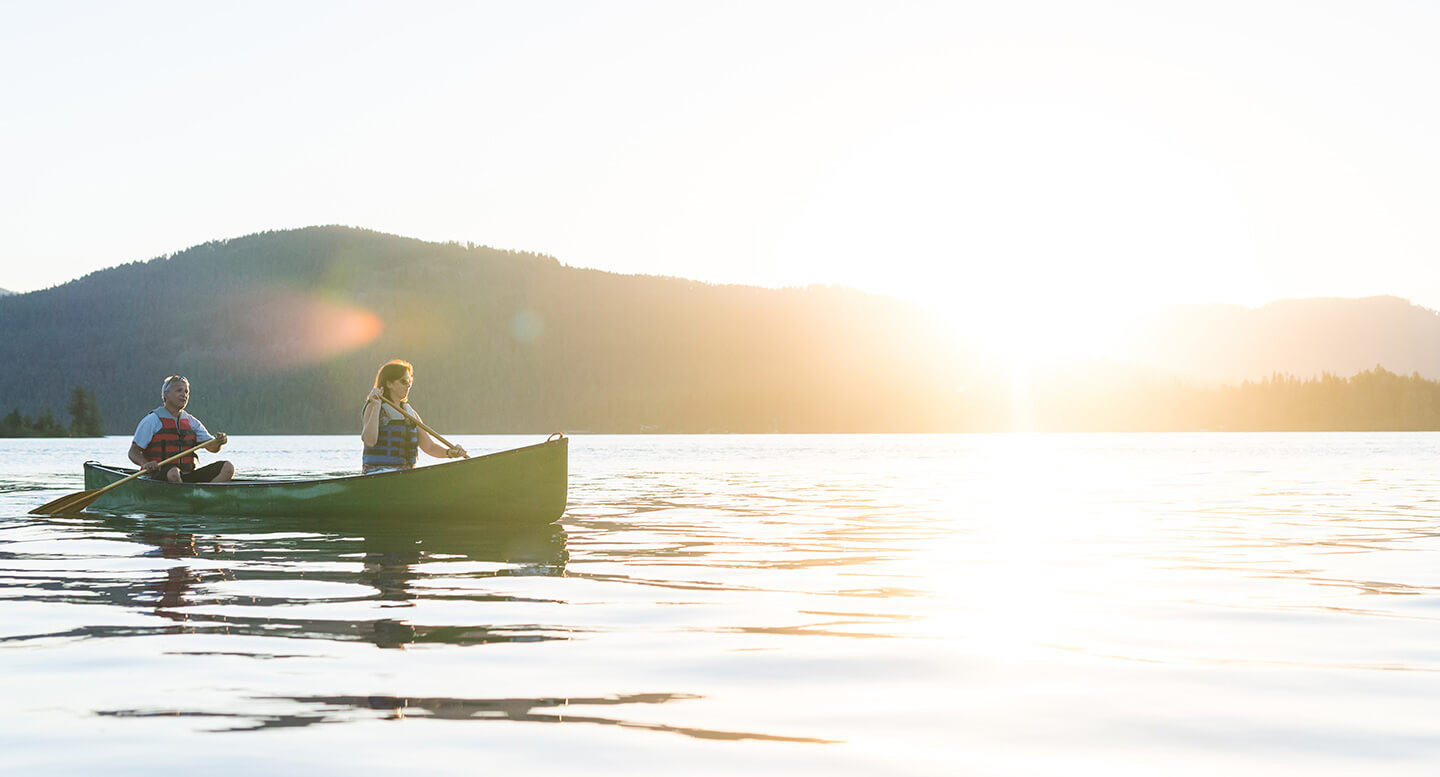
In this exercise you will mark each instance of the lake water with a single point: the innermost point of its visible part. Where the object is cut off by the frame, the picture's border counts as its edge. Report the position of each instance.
(827, 605)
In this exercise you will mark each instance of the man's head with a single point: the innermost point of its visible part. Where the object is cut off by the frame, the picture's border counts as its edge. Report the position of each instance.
(175, 392)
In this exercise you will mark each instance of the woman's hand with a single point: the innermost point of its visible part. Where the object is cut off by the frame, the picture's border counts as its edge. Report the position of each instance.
(375, 394)
(455, 452)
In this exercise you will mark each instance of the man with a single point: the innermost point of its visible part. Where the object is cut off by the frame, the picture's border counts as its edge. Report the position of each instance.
(168, 430)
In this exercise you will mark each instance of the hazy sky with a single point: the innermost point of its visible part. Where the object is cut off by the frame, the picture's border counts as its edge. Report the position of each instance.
(1082, 157)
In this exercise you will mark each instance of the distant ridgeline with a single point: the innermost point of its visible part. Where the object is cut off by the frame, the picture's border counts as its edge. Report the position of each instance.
(1303, 337)
(1372, 400)
(281, 333)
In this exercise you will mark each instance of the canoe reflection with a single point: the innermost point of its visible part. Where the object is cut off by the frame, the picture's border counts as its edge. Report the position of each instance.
(431, 534)
(343, 709)
(402, 566)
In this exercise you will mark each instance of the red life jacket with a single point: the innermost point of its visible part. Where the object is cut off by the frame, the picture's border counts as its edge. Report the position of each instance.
(172, 438)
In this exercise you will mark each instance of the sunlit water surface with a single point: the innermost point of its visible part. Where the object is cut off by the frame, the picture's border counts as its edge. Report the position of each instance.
(836, 605)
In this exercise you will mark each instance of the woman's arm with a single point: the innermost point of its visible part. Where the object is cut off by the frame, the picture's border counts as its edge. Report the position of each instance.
(430, 446)
(370, 418)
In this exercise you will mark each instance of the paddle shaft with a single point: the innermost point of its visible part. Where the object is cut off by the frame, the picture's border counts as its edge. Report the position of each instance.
(84, 498)
(420, 424)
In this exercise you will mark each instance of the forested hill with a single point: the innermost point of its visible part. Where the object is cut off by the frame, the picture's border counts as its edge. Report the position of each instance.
(1303, 337)
(282, 332)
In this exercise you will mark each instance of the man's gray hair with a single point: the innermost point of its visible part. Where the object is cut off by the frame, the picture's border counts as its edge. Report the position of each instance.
(164, 387)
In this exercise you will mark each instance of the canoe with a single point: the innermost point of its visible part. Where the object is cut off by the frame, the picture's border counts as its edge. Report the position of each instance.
(519, 487)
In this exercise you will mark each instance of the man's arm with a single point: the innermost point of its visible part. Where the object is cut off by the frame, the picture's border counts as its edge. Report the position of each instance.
(144, 431)
(203, 435)
(137, 456)
(217, 442)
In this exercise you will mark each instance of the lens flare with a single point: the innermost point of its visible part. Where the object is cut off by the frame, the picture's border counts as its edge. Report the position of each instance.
(282, 328)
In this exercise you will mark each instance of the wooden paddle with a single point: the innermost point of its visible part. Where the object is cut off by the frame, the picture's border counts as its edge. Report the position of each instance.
(420, 424)
(74, 503)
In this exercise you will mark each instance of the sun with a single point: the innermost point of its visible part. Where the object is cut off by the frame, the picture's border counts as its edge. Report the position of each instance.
(1028, 330)
(1040, 230)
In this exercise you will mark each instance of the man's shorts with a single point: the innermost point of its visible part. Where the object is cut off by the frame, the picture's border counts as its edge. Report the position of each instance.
(204, 474)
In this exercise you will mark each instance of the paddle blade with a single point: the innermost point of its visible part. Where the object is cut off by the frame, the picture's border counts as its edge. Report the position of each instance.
(70, 503)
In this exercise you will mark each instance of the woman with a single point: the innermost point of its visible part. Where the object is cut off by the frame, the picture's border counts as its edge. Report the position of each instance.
(391, 439)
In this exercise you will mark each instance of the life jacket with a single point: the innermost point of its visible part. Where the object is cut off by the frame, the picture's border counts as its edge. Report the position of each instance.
(174, 436)
(397, 444)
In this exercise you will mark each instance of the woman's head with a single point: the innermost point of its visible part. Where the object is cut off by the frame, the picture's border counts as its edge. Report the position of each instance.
(391, 371)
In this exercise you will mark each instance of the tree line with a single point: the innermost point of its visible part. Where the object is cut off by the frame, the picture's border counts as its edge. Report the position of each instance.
(1371, 400)
(85, 419)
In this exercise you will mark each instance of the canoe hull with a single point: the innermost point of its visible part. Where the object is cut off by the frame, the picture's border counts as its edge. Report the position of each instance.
(521, 487)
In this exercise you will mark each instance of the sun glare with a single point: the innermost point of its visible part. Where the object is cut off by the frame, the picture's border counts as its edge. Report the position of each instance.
(1039, 228)
(298, 328)
(1023, 333)
(331, 328)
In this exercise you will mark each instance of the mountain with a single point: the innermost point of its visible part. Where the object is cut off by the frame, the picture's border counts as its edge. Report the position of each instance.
(5, 292)
(282, 332)
(1300, 337)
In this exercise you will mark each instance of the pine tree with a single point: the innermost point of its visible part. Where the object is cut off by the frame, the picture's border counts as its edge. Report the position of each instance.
(47, 426)
(11, 425)
(85, 420)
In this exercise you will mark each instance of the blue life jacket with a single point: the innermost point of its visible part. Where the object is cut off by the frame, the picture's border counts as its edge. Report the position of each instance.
(397, 445)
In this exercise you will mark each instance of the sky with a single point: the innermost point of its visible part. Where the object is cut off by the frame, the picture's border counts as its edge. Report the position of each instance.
(1086, 160)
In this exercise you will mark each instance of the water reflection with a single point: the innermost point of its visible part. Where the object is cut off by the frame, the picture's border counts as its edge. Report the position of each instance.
(178, 579)
(387, 567)
(1100, 605)
(341, 709)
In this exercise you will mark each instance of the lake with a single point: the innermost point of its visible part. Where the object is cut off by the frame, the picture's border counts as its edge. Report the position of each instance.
(831, 605)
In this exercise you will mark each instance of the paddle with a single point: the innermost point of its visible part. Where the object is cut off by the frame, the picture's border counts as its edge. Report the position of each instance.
(74, 503)
(420, 424)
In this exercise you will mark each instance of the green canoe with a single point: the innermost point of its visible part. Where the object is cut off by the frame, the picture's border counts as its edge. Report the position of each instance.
(520, 487)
